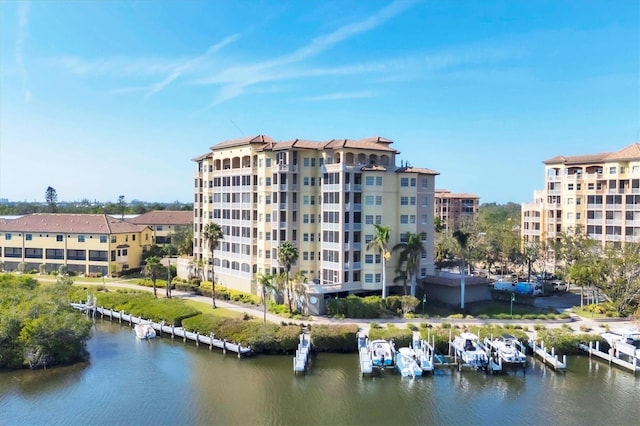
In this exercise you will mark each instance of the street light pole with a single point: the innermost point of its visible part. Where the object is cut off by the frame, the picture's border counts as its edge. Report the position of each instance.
(424, 302)
(513, 298)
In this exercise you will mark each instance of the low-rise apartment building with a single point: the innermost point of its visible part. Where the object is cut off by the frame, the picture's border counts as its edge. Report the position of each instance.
(324, 197)
(85, 243)
(452, 209)
(599, 193)
(164, 223)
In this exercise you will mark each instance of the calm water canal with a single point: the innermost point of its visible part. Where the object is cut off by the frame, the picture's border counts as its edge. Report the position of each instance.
(164, 382)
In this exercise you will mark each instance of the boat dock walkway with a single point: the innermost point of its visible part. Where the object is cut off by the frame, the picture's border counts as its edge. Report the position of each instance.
(366, 364)
(303, 353)
(551, 359)
(198, 338)
(424, 351)
(612, 357)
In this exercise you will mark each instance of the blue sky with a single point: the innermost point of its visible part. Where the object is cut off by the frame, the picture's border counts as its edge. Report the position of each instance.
(106, 98)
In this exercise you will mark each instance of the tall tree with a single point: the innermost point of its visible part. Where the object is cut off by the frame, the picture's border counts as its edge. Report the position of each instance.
(287, 256)
(410, 255)
(212, 233)
(621, 281)
(122, 206)
(462, 238)
(268, 286)
(51, 196)
(379, 243)
(152, 269)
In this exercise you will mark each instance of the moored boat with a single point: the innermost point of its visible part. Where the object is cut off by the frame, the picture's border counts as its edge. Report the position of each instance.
(506, 347)
(145, 331)
(470, 352)
(406, 363)
(382, 353)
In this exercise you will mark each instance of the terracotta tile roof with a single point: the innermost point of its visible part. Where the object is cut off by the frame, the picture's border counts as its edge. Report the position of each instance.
(164, 217)
(448, 194)
(373, 143)
(418, 170)
(69, 223)
(259, 139)
(631, 152)
(298, 143)
(203, 157)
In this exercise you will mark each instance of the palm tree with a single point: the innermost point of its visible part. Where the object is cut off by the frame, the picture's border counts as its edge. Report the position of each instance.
(462, 238)
(411, 253)
(153, 269)
(268, 285)
(379, 243)
(287, 255)
(212, 233)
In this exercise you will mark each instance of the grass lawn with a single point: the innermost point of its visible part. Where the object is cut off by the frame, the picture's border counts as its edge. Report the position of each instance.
(205, 308)
(490, 308)
(587, 314)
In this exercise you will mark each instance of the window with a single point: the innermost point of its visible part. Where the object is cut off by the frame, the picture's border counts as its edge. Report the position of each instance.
(378, 180)
(7, 236)
(404, 219)
(412, 219)
(378, 278)
(404, 201)
(378, 259)
(570, 187)
(28, 237)
(367, 238)
(368, 278)
(268, 162)
(425, 183)
(612, 170)
(306, 181)
(413, 182)
(368, 219)
(425, 219)
(404, 182)
(305, 161)
(368, 180)
(412, 201)
(81, 238)
(368, 258)
(103, 238)
(378, 219)
(59, 238)
(378, 200)
(368, 200)
(159, 228)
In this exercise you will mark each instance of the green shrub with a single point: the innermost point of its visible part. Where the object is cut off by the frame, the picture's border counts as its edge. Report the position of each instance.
(334, 338)
(143, 304)
(565, 341)
(400, 336)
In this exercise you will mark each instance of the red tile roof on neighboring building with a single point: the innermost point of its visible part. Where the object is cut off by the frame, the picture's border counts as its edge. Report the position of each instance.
(164, 217)
(259, 139)
(631, 152)
(375, 143)
(69, 223)
(418, 170)
(445, 193)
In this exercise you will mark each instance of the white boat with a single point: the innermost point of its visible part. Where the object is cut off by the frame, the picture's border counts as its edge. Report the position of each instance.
(507, 349)
(145, 331)
(625, 341)
(406, 363)
(382, 353)
(470, 352)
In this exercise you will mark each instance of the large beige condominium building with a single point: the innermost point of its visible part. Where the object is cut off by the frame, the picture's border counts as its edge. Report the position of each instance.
(324, 197)
(455, 208)
(599, 193)
(85, 243)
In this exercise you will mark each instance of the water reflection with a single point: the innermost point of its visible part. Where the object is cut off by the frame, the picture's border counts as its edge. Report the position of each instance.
(182, 384)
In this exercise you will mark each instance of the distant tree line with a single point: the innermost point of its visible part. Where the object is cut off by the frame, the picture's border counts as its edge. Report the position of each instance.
(88, 207)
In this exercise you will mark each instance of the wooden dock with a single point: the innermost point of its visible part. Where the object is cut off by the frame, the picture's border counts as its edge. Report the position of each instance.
(173, 331)
(611, 357)
(550, 359)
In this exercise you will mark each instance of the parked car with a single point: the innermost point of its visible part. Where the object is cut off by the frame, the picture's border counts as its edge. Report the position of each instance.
(559, 286)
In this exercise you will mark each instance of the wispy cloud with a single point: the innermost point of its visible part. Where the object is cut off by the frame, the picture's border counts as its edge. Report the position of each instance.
(340, 96)
(239, 78)
(23, 26)
(188, 65)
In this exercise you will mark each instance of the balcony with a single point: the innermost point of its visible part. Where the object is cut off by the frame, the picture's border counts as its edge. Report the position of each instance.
(632, 223)
(632, 239)
(613, 237)
(594, 206)
(614, 222)
(284, 168)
